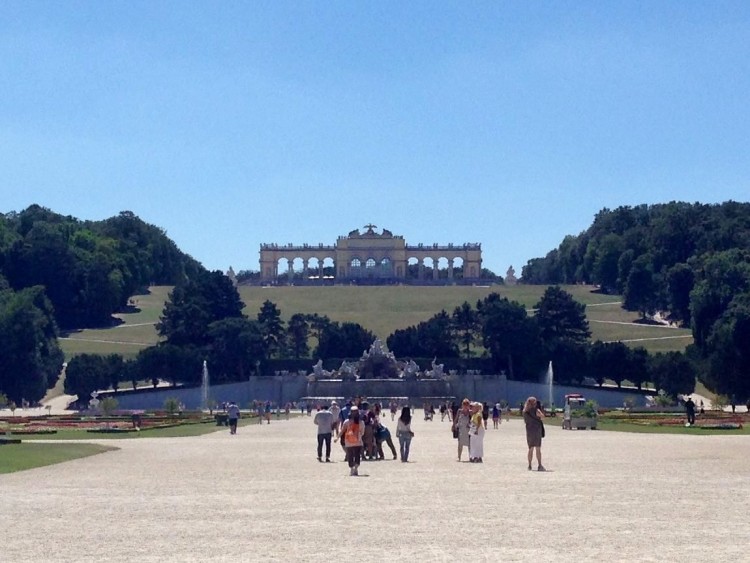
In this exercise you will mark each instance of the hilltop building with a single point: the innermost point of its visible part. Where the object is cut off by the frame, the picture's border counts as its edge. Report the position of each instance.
(371, 258)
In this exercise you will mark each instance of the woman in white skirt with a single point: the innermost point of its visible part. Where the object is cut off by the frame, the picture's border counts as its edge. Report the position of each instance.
(476, 430)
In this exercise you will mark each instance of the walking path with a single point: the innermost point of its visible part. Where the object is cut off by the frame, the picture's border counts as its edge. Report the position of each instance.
(262, 496)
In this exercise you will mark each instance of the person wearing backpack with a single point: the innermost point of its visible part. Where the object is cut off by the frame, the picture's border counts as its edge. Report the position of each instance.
(352, 432)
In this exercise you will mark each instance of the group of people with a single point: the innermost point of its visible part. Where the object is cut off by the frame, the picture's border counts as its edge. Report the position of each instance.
(361, 432)
(470, 424)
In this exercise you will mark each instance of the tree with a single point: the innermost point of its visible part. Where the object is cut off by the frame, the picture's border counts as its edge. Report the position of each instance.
(236, 347)
(272, 328)
(31, 357)
(673, 373)
(609, 360)
(429, 339)
(728, 350)
(641, 289)
(465, 321)
(511, 337)
(84, 374)
(680, 282)
(346, 340)
(194, 305)
(560, 317)
(298, 334)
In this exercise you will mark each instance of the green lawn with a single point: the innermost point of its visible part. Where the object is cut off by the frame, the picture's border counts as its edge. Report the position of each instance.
(18, 457)
(381, 309)
(616, 426)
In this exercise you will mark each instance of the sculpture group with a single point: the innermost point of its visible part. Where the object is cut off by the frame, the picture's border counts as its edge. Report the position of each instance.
(388, 367)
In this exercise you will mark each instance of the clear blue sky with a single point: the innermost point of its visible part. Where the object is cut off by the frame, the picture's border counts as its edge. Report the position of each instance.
(229, 124)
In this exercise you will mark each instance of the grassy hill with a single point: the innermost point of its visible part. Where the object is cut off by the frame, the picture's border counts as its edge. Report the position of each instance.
(379, 309)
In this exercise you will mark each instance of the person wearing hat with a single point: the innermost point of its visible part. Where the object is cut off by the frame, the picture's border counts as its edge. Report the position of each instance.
(352, 432)
(335, 411)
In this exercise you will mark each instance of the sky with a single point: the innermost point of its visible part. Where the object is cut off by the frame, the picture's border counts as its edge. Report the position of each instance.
(231, 124)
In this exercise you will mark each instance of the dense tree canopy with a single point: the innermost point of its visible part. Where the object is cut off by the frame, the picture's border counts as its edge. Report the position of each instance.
(88, 269)
(30, 357)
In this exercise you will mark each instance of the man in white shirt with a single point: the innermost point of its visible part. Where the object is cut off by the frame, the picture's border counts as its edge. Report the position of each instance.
(324, 420)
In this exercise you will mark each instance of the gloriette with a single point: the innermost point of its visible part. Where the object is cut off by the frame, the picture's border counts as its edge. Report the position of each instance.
(371, 257)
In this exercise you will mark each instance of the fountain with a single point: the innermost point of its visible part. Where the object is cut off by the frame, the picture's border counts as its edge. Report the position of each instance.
(550, 377)
(204, 387)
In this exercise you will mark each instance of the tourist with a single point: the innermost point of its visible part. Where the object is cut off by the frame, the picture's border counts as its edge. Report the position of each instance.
(454, 410)
(443, 411)
(394, 408)
(324, 420)
(287, 408)
(690, 411)
(485, 413)
(703, 410)
(404, 434)
(368, 417)
(382, 434)
(352, 432)
(461, 426)
(496, 416)
(335, 411)
(476, 431)
(267, 410)
(534, 419)
(233, 415)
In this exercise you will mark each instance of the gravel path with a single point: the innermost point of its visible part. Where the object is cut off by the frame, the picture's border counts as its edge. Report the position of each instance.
(262, 496)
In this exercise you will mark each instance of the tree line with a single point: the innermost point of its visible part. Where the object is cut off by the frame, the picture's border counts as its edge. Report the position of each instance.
(688, 261)
(203, 319)
(57, 273)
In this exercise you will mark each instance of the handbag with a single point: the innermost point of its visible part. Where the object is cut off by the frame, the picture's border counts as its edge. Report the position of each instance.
(455, 433)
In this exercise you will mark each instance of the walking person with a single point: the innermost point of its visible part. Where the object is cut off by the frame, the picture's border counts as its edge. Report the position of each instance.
(476, 431)
(485, 413)
(352, 432)
(496, 416)
(690, 411)
(461, 426)
(534, 419)
(404, 433)
(335, 411)
(324, 420)
(233, 414)
(382, 434)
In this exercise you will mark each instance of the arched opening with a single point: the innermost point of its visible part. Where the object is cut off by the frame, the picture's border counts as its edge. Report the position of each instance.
(370, 264)
(355, 268)
(282, 270)
(313, 269)
(329, 268)
(442, 265)
(458, 268)
(412, 268)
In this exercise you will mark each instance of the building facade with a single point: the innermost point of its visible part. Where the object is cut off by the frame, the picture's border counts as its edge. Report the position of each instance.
(371, 257)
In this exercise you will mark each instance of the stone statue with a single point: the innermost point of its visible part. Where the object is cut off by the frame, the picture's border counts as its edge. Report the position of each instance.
(510, 277)
(437, 370)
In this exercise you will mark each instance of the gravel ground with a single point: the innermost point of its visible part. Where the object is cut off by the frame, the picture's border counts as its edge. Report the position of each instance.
(262, 496)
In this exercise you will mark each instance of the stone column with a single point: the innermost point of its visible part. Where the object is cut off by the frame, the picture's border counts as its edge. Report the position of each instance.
(434, 269)
(305, 273)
